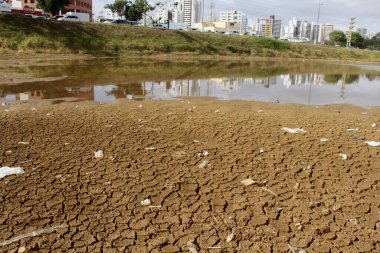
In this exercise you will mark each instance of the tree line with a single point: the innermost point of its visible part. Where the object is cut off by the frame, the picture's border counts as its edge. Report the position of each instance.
(339, 38)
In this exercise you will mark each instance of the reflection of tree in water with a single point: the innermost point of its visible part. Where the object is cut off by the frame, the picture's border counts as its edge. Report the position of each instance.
(124, 89)
(346, 78)
(333, 78)
(370, 78)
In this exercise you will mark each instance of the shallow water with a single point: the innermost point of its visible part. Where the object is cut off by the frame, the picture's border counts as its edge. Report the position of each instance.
(301, 82)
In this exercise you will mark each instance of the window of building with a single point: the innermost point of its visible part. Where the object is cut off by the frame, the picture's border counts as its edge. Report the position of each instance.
(26, 1)
(32, 1)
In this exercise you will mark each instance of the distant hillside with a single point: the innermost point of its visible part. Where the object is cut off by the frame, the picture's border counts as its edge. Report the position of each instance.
(27, 35)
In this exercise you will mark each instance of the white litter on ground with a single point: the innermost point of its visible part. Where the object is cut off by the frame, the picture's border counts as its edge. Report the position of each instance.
(324, 140)
(32, 234)
(373, 143)
(99, 154)
(270, 191)
(203, 165)
(205, 153)
(130, 97)
(262, 150)
(230, 237)
(248, 182)
(146, 202)
(150, 148)
(7, 171)
(192, 247)
(23, 143)
(374, 125)
(343, 156)
(353, 129)
(293, 130)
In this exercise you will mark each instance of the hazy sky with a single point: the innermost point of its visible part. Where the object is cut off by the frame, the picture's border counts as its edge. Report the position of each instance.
(336, 12)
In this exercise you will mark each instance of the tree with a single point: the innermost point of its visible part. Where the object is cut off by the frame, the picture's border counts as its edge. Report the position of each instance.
(118, 7)
(357, 40)
(52, 6)
(373, 43)
(338, 38)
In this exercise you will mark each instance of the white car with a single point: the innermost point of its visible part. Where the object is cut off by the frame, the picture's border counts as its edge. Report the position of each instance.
(69, 18)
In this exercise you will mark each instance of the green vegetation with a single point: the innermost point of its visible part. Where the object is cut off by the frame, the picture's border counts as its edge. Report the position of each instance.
(132, 11)
(25, 35)
(52, 6)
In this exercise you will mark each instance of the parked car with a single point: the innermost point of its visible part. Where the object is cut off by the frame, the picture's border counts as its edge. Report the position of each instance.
(69, 18)
(124, 22)
(57, 17)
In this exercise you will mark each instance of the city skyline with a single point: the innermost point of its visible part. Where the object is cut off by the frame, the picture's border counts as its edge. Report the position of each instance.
(337, 12)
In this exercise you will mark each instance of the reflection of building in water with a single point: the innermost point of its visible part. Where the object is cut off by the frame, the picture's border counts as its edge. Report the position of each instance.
(81, 92)
(228, 84)
(301, 79)
(266, 82)
(184, 88)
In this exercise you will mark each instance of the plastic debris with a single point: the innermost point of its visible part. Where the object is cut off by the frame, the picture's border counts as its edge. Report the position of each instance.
(270, 191)
(203, 165)
(130, 97)
(146, 202)
(155, 206)
(21, 250)
(262, 150)
(205, 153)
(260, 111)
(373, 143)
(99, 154)
(198, 142)
(34, 109)
(296, 249)
(298, 226)
(217, 111)
(150, 148)
(324, 140)
(248, 182)
(192, 247)
(214, 247)
(343, 156)
(293, 130)
(23, 143)
(353, 129)
(140, 106)
(7, 171)
(32, 234)
(90, 172)
(230, 237)
(374, 125)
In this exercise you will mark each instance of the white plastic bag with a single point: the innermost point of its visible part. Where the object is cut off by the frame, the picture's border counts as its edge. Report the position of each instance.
(7, 171)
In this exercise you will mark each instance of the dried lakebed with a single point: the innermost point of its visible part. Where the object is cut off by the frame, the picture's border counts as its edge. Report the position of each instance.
(262, 189)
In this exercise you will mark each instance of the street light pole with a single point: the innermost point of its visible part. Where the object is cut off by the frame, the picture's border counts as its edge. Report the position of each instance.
(317, 33)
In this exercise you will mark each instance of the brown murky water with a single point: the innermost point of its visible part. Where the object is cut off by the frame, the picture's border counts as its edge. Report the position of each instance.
(106, 80)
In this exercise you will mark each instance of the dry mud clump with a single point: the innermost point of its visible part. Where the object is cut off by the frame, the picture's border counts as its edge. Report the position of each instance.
(156, 189)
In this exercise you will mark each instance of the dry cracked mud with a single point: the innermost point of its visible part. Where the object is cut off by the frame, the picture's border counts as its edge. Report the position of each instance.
(305, 195)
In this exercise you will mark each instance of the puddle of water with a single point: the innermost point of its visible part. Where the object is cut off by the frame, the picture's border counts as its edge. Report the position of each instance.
(269, 81)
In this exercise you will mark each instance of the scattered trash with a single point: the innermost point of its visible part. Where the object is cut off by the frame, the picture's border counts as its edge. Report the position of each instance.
(140, 106)
(192, 247)
(377, 225)
(205, 153)
(296, 249)
(217, 111)
(298, 226)
(278, 209)
(99, 154)
(155, 206)
(7, 171)
(150, 148)
(296, 186)
(90, 172)
(358, 138)
(203, 164)
(214, 247)
(270, 191)
(32, 234)
(353, 130)
(6, 110)
(353, 222)
(8, 152)
(230, 237)
(34, 109)
(23, 143)
(107, 183)
(262, 150)
(293, 130)
(47, 114)
(248, 182)
(364, 113)
(374, 125)
(324, 140)
(21, 250)
(260, 111)
(146, 202)
(373, 143)
(130, 97)
(198, 142)
(343, 156)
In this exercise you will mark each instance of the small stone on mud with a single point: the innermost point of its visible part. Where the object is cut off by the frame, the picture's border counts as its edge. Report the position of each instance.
(374, 125)
(298, 226)
(230, 237)
(343, 156)
(21, 250)
(203, 165)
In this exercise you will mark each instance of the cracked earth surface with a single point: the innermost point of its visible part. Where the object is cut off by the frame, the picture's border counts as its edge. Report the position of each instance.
(305, 195)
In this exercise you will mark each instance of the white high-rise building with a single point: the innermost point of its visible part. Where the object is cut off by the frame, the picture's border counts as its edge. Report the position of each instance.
(187, 11)
(196, 13)
(235, 16)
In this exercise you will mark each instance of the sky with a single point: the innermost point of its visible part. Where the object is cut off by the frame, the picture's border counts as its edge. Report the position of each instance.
(337, 12)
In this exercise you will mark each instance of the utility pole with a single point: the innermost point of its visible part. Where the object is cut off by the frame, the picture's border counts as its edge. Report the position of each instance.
(145, 9)
(212, 6)
(316, 33)
(349, 35)
(203, 12)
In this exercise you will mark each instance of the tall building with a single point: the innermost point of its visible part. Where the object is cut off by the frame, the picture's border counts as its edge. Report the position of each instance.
(187, 11)
(276, 30)
(196, 12)
(315, 32)
(362, 31)
(235, 16)
(326, 29)
(305, 30)
(263, 28)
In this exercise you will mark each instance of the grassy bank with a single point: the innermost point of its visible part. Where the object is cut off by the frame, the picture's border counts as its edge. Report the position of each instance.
(25, 35)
